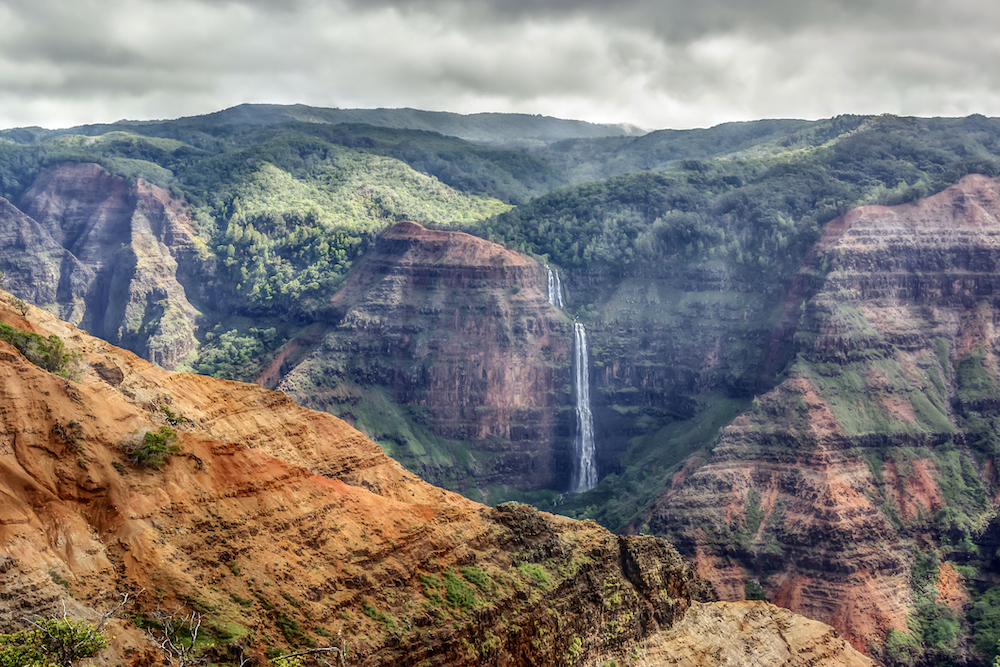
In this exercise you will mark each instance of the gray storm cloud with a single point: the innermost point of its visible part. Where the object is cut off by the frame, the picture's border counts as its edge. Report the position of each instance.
(663, 63)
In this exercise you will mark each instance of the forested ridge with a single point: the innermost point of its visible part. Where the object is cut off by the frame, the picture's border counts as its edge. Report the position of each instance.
(760, 208)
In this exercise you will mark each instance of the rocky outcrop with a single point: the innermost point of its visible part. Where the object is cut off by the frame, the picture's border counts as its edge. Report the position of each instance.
(720, 634)
(105, 254)
(39, 269)
(287, 528)
(874, 445)
(448, 353)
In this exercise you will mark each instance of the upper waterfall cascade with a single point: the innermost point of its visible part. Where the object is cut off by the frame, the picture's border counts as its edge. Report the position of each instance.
(555, 290)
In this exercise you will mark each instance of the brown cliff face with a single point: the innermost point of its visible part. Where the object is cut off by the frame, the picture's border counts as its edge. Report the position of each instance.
(290, 524)
(109, 260)
(869, 447)
(457, 335)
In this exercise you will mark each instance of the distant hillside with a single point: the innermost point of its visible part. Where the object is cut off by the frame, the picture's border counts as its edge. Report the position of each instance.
(588, 159)
(506, 130)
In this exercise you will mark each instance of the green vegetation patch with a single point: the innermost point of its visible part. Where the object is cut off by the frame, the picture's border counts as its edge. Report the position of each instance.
(52, 641)
(152, 448)
(753, 590)
(536, 574)
(48, 353)
(478, 578)
(976, 380)
(984, 615)
(875, 395)
(458, 592)
(385, 619)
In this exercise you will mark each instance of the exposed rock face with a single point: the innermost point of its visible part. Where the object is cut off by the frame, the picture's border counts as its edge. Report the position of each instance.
(873, 442)
(665, 345)
(727, 635)
(103, 254)
(37, 268)
(291, 524)
(459, 333)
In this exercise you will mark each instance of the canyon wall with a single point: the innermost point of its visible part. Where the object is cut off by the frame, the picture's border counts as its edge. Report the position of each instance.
(879, 442)
(287, 528)
(448, 352)
(104, 253)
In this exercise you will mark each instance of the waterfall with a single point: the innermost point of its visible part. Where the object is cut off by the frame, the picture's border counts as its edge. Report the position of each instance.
(555, 290)
(585, 468)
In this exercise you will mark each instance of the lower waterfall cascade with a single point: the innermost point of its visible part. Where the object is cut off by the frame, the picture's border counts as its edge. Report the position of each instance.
(584, 449)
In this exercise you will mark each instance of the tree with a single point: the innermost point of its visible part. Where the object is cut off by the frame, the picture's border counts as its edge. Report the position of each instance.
(176, 636)
(20, 305)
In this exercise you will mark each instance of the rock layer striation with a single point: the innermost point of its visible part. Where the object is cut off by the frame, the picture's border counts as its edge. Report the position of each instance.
(104, 253)
(876, 444)
(457, 337)
(287, 528)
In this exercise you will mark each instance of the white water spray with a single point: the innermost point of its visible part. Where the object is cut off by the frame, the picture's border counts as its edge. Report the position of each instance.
(555, 290)
(585, 468)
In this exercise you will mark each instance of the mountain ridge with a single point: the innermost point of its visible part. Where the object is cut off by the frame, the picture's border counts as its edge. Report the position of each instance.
(488, 128)
(701, 286)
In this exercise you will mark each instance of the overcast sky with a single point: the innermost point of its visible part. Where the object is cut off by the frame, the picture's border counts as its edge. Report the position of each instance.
(654, 63)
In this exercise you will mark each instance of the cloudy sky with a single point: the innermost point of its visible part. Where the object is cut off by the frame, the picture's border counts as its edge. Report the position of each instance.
(654, 63)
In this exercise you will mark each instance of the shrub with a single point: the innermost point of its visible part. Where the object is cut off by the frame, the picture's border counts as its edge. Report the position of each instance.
(54, 641)
(458, 593)
(150, 449)
(475, 576)
(754, 591)
(537, 573)
(173, 418)
(19, 305)
(48, 353)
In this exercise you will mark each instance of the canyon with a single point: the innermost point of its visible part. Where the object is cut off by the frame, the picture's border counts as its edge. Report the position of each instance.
(799, 393)
(285, 528)
(105, 254)
(458, 336)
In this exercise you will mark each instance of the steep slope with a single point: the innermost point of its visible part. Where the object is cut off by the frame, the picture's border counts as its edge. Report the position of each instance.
(105, 254)
(286, 527)
(448, 352)
(878, 449)
(683, 277)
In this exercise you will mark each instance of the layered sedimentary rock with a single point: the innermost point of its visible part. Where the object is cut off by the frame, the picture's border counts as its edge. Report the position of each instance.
(286, 528)
(104, 253)
(877, 442)
(457, 336)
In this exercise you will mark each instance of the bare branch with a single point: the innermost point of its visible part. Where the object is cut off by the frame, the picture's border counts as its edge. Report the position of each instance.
(127, 598)
(171, 638)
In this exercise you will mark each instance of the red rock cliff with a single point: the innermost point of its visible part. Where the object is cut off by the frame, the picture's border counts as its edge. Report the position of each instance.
(458, 333)
(868, 448)
(290, 524)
